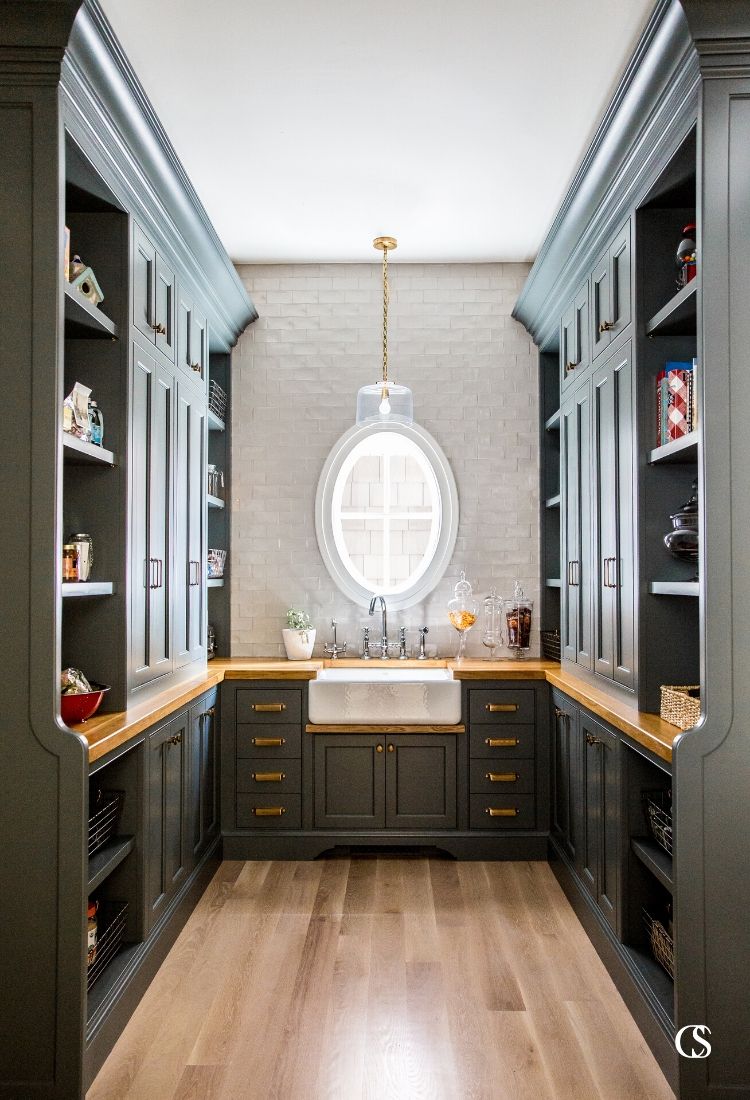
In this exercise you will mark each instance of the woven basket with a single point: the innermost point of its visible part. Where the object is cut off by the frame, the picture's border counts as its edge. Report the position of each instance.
(681, 704)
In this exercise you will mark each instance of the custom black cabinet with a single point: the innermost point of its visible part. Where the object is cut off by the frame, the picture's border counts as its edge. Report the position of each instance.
(152, 404)
(613, 480)
(567, 803)
(153, 295)
(420, 781)
(192, 337)
(166, 847)
(597, 856)
(203, 776)
(611, 292)
(350, 781)
(575, 340)
(189, 607)
(575, 500)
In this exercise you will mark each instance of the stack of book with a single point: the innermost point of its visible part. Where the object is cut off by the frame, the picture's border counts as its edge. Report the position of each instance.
(675, 401)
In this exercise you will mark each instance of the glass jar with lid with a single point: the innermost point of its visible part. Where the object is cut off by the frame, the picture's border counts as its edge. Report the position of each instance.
(462, 612)
(492, 632)
(518, 613)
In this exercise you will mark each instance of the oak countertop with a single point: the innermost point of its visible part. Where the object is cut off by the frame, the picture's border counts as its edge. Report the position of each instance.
(107, 732)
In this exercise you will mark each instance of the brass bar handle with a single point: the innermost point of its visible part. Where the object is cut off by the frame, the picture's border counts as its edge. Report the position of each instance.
(502, 777)
(269, 811)
(268, 742)
(501, 742)
(606, 326)
(502, 811)
(269, 777)
(591, 740)
(501, 708)
(268, 708)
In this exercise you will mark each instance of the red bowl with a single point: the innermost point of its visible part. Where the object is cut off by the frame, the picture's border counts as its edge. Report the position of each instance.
(79, 708)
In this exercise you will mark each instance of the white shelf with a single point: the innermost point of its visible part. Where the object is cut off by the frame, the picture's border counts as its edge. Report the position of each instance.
(214, 424)
(215, 502)
(87, 588)
(682, 450)
(77, 452)
(674, 588)
(215, 582)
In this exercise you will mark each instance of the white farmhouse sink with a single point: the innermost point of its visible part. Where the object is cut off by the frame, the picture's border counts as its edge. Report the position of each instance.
(397, 696)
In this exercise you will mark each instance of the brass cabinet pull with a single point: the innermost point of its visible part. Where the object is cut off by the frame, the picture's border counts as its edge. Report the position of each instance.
(501, 742)
(159, 329)
(591, 740)
(269, 742)
(570, 367)
(378, 748)
(502, 777)
(558, 713)
(501, 708)
(606, 326)
(176, 740)
(210, 712)
(268, 708)
(269, 777)
(269, 811)
(391, 748)
(195, 366)
(502, 811)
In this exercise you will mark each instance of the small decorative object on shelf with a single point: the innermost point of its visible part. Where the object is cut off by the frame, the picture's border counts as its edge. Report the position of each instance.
(492, 633)
(518, 621)
(686, 256)
(76, 419)
(70, 563)
(298, 635)
(216, 562)
(210, 643)
(658, 807)
(83, 279)
(674, 402)
(681, 704)
(550, 644)
(96, 424)
(215, 481)
(217, 400)
(682, 541)
(80, 698)
(78, 558)
(92, 931)
(462, 612)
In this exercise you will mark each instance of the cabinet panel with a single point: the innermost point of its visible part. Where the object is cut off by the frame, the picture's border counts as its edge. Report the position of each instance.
(575, 488)
(620, 288)
(192, 338)
(166, 847)
(144, 281)
(184, 328)
(600, 862)
(600, 306)
(421, 781)
(164, 308)
(199, 346)
(203, 797)
(566, 763)
(575, 340)
(568, 360)
(350, 781)
(190, 527)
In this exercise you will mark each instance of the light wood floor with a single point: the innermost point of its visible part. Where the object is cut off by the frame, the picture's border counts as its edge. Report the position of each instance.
(382, 978)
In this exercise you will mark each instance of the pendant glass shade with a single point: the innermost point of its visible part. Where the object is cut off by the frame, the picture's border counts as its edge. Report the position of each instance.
(385, 404)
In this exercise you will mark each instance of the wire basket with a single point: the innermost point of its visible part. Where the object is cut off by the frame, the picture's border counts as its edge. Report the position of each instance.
(681, 704)
(658, 807)
(103, 820)
(661, 942)
(111, 917)
(550, 644)
(216, 561)
(217, 400)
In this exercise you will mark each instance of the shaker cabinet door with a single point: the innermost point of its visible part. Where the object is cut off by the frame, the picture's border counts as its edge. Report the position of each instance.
(420, 781)
(189, 622)
(349, 781)
(575, 442)
(203, 777)
(164, 308)
(166, 810)
(144, 283)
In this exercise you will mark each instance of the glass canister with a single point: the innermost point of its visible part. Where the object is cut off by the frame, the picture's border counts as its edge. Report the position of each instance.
(84, 545)
(462, 612)
(518, 613)
(492, 632)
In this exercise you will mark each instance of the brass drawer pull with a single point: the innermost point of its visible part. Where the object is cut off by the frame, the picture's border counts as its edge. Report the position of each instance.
(269, 811)
(268, 708)
(502, 777)
(502, 811)
(606, 326)
(176, 740)
(269, 742)
(269, 777)
(501, 742)
(501, 708)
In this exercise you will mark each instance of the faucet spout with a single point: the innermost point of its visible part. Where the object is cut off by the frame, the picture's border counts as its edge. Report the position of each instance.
(384, 634)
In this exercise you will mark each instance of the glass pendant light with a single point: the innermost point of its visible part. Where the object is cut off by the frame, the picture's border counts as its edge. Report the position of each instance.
(385, 402)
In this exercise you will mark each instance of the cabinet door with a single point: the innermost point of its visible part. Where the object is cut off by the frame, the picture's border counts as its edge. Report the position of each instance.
(600, 306)
(164, 308)
(166, 845)
(349, 781)
(600, 863)
(575, 486)
(581, 329)
(203, 773)
(144, 283)
(420, 781)
(190, 527)
(568, 358)
(566, 791)
(613, 519)
(619, 281)
(199, 346)
(184, 328)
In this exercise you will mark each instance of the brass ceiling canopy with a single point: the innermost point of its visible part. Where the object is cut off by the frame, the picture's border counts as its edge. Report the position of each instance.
(383, 244)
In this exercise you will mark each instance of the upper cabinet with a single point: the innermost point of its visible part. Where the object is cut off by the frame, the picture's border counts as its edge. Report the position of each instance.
(153, 295)
(611, 292)
(192, 337)
(575, 339)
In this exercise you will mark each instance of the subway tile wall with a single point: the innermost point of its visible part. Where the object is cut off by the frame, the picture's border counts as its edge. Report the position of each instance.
(473, 371)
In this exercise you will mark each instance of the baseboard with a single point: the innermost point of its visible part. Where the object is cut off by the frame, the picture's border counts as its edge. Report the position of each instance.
(306, 845)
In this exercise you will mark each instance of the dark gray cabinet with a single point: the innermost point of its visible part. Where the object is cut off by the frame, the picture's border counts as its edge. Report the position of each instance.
(152, 404)
(613, 480)
(611, 292)
(598, 857)
(350, 781)
(575, 340)
(192, 337)
(575, 502)
(154, 291)
(189, 606)
(567, 802)
(167, 830)
(420, 783)
(203, 776)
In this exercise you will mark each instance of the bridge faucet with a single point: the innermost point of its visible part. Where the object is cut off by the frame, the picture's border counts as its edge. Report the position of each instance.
(384, 634)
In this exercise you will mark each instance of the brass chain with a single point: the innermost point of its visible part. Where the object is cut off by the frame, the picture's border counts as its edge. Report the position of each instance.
(385, 317)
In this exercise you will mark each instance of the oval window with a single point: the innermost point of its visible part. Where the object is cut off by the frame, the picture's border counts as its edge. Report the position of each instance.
(387, 513)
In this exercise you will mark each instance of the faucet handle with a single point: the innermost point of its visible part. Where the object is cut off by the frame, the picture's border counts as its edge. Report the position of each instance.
(423, 632)
(366, 655)
(402, 653)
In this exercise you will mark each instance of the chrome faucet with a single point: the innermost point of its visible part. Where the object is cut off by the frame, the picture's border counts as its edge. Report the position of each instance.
(384, 635)
(423, 631)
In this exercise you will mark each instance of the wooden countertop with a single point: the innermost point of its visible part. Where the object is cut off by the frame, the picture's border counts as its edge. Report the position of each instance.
(109, 731)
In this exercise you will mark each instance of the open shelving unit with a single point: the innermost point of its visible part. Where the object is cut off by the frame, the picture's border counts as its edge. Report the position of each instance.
(549, 475)
(77, 452)
(219, 517)
(85, 320)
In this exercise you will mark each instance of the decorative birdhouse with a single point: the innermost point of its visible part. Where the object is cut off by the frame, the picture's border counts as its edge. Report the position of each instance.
(84, 280)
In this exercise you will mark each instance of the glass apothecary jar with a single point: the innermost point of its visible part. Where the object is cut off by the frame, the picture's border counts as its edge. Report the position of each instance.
(492, 629)
(518, 612)
(462, 612)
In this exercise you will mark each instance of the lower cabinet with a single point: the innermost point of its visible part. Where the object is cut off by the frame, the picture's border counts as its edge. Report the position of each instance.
(385, 781)
(203, 776)
(567, 804)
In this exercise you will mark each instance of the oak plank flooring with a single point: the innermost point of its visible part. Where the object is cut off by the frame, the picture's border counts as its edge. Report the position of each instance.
(381, 978)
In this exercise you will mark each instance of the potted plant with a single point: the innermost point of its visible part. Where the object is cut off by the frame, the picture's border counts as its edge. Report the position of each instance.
(299, 635)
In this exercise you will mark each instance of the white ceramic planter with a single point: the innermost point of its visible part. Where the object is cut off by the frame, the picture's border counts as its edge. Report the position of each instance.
(298, 644)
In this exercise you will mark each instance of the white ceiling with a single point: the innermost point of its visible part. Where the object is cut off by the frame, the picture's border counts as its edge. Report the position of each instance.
(310, 126)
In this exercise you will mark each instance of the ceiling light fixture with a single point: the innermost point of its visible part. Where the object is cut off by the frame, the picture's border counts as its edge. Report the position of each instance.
(385, 401)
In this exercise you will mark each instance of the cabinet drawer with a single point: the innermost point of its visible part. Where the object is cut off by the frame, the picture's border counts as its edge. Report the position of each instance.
(502, 777)
(268, 776)
(502, 811)
(497, 743)
(269, 741)
(269, 705)
(269, 811)
(501, 705)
